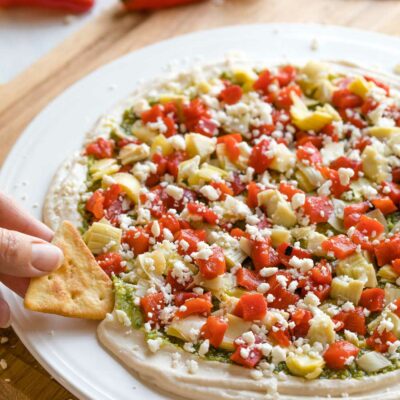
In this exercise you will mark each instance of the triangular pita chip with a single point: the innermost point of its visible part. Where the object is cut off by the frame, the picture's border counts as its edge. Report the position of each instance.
(78, 288)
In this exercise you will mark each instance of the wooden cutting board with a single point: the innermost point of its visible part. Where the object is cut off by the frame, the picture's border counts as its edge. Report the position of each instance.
(112, 35)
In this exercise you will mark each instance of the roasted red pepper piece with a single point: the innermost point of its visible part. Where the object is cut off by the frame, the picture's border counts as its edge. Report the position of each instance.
(75, 6)
(153, 4)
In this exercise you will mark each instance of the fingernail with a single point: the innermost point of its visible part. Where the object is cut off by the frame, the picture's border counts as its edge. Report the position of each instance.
(5, 316)
(46, 257)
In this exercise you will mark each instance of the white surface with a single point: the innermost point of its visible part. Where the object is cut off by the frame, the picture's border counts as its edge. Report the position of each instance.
(72, 354)
(27, 34)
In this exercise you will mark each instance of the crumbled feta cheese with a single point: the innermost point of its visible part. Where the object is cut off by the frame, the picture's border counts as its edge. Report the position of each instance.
(345, 174)
(154, 344)
(209, 192)
(298, 200)
(268, 271)
(192, 366)
(175, 192)
(304, 264)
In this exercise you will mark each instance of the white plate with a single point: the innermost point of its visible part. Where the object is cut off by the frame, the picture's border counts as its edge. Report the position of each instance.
(68, 349)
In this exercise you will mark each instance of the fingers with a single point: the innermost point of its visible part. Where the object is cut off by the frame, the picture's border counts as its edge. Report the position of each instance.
(5, 315)
(15, 218)
(16, 284)
(26, 256)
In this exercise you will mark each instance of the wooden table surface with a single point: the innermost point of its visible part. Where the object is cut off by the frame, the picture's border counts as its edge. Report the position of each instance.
(112, 35)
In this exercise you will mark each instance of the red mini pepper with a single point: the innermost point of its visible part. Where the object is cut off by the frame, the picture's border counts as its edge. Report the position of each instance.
(153, 4)
(74, 6)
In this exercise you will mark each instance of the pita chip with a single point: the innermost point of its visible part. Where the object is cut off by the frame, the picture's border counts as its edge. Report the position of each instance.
(78, 288)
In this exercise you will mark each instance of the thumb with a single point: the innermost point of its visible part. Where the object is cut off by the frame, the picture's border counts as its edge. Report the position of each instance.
(4, 314)
(27, 256)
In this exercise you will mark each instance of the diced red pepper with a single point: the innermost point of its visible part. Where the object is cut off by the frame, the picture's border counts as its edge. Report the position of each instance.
(367, 229)
(308, 152)
(280, 337)
(394, 191)
(204, 212)
(95, 204)
(258, 157)
(137, 239)
(251, 307)
(345, 162)
(283, 98)
(286, 74)
(100, 148)
(303, 137)
(381, 341)
(72, 6)
(318, 209)
(252, 191)
(214, 330)
(251, 360)
(321, 273)
(340, 245)
(288, 190)
(111, 263)
(195, 306)
(286, 251)
(214, 266)
(223, 188)
(387, 250)
(247, 279)
(384, 204)
(373, 299)
(151, 305)
(191, 237)
(396, 174)
(336, 188)
(231, 94)
(353, 320)
(343, 98)
(337, 354)
(352, 214)
(264, 80)
(263, 255)
(396, 266)
(301, 319)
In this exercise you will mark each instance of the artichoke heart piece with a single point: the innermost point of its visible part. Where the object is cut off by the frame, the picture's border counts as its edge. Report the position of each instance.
(322, 328)
(346, 289)
(207, 173)
(305, 365)
(245, 77)
(153, 263)
(278, 209)
(129, 184)
(100, 168)
(133, 152)
(314, 243)
(383, 132)
(357, 267)
(101, 237)
(184, 328)
(360, 86)
(197, 144)
(143, 133)
(223, 159)
(280, 235)
(161, 144)
(236, 327)
(375, 165)
(283, 160)
(307, 120)
(188, 168)
(387, 273)
(373, 361)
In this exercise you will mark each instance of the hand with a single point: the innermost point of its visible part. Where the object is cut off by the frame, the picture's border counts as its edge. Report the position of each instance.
(25, 251)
